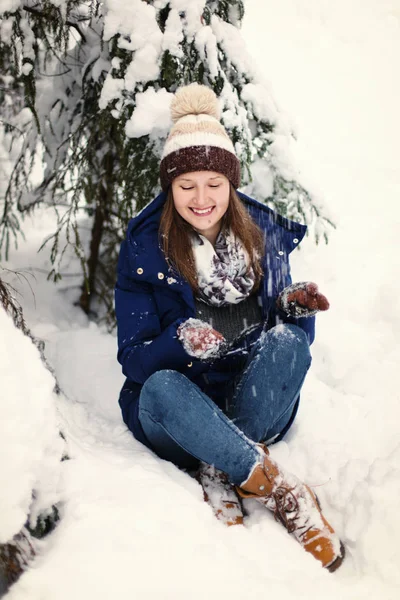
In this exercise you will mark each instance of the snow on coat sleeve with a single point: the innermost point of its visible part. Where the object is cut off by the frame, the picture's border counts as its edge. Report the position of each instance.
(307, 324)
(143, 348)
(282, 237)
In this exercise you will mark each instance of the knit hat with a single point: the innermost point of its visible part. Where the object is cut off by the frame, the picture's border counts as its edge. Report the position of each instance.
(197, 140)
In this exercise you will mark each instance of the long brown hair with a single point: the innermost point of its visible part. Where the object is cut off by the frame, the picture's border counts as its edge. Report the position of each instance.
(175, 234)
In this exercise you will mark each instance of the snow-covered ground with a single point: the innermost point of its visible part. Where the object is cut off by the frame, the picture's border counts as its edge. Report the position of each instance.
(134, 526)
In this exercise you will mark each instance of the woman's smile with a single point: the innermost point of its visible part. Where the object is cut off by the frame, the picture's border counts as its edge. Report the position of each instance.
(202, 212)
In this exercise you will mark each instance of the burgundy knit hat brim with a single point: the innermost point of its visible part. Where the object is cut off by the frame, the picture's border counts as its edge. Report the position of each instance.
(199, 158)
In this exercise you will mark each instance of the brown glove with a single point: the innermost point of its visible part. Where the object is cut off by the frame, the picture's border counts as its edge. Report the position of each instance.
(302, 300)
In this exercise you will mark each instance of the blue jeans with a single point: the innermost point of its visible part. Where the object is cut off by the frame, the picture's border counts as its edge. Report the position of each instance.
(184, 425)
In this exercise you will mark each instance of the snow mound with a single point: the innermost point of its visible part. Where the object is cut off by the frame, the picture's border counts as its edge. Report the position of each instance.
(29, 437)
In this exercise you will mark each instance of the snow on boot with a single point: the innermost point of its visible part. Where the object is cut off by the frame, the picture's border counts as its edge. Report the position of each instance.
(297, 508)
(220, 495)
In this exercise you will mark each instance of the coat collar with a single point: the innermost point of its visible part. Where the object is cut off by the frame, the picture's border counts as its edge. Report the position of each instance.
(283, 233)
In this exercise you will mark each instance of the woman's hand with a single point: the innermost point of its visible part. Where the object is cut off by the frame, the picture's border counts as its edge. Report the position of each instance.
(200, 340)
(302, 300)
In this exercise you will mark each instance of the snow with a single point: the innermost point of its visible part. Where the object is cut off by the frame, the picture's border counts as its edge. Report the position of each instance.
(26, 68)
(134, 20)
(141, 69)
(263, 106)
(139, 32)
(9, 5)
(173, 35)
(206, 45)
(29, 432)
(156, 121)
(112, 88)
(134, 526)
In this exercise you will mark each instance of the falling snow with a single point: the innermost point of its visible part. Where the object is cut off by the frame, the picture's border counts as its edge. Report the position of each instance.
(125, 511)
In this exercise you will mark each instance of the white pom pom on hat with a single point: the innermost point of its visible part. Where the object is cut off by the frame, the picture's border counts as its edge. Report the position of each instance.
(197, 140)
(194, 99)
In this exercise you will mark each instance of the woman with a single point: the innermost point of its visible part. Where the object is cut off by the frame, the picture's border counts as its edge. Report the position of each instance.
(213, 337)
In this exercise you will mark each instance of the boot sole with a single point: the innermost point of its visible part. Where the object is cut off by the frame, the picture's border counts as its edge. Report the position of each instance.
(338, 561)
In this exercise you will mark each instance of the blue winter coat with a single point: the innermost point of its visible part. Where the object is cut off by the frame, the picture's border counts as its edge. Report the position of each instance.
(151, 302)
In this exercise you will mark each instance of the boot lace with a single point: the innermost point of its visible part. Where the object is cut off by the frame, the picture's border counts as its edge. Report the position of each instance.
(287, 510)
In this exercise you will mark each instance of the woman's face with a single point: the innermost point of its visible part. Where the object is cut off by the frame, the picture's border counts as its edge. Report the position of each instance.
(202, 199)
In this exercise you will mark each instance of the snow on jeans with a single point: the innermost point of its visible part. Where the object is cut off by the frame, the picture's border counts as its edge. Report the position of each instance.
(182, 423)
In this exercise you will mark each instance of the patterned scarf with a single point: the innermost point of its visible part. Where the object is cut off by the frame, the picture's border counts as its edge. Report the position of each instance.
(222, 273)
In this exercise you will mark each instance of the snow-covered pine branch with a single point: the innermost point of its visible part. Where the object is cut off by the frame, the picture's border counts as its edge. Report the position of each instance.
(98, 79)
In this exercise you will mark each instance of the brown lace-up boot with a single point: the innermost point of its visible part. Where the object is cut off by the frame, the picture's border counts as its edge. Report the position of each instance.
(220, 495)
(297, 508)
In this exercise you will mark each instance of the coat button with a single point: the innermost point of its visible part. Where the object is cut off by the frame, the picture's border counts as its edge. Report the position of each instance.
(281, 253)
(139, 271)
(161, 276)
(295, 241)
(190, 364)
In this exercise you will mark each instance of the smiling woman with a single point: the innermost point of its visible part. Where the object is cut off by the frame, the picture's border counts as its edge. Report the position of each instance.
(213, 337)
(206, 202)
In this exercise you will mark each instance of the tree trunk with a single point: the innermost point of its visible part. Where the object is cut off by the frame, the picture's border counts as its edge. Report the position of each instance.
(101, 215)
(92, 263)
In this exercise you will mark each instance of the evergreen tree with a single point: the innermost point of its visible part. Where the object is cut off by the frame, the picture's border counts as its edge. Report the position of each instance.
(98, 79)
